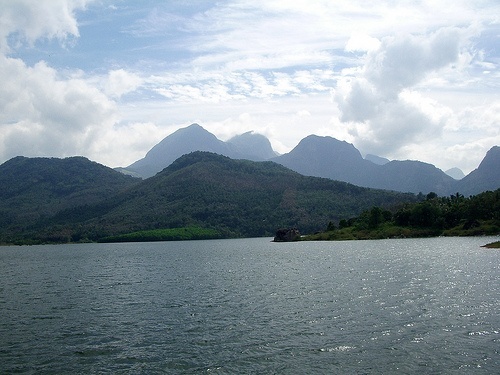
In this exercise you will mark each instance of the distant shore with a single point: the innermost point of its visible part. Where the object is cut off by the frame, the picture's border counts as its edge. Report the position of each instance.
(493, 245)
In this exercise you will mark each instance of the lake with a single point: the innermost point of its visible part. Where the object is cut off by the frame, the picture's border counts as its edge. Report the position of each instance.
(395, 306)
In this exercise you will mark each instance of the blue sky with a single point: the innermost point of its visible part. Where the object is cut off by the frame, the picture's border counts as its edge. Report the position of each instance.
(110, 79)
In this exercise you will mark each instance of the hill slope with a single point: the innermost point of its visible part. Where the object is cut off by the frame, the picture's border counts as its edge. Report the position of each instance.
(485, 177)
(34, 189)
(410, 175)
(195, 138)
(238, 198)
(331, 158)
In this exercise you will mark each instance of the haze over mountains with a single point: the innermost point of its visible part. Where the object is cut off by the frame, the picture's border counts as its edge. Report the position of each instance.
(325, 157)
(249, 146)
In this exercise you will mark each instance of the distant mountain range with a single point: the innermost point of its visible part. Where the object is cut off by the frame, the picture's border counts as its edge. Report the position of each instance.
(325, 157)
(248, 146)
(47, 200)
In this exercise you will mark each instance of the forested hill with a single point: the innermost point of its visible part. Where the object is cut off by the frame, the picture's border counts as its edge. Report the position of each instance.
(73, 177)
(33, 190)
(454, 215)
(237, 198)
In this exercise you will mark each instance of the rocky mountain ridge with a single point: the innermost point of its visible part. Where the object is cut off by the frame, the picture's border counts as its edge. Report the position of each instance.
(248, 146)
(324, 157)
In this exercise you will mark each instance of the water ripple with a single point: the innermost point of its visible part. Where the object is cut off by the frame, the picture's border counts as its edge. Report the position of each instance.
(251, 306)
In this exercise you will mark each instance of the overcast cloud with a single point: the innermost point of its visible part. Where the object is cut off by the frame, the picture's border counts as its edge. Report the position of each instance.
(109, 79)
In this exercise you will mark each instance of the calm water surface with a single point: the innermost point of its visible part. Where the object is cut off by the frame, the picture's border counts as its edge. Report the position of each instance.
(426, 306)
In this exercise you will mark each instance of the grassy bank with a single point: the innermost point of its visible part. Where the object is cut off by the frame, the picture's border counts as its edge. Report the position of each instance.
(170, 234)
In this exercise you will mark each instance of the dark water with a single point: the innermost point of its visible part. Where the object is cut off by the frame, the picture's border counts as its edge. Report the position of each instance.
(426, 306)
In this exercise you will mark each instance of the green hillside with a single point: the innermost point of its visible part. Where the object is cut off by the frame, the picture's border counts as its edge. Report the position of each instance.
(236, 198)
(454, 215)
(70, 200)
(33, 190)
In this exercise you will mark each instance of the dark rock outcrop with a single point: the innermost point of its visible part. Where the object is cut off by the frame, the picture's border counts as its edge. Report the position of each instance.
(287, 235)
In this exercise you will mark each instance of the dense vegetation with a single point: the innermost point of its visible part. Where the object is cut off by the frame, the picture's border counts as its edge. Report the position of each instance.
(454, 215)
(34, 190)
(235, 198)
(173, 234)
(238, 198)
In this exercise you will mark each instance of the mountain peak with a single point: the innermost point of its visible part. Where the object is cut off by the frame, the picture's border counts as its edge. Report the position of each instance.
(324, 156)
(455, 172)
(253, 146)
(491, 159)
(485, 177)
(196, 138)
(326, 147)
(376, 159)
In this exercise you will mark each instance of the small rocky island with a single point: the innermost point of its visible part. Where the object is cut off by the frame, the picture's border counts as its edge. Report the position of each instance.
(287, 235)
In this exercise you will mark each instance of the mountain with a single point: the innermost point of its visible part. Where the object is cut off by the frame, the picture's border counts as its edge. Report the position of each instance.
(34, 189)
(237, 198)
(240, 198)
(252, 146)
(412, 176)
(183, 141)
(328, 157)
(455, 173)
(195, 138)
(320, 157)
(376, 159)
(485, 177)
(337, 160)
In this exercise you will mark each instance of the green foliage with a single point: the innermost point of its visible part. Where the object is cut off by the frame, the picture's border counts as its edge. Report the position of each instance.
(449, 216)
(35, 190)
(237, 198)
(343, 224)
(330, 227)
(171, 234)
(75, 200)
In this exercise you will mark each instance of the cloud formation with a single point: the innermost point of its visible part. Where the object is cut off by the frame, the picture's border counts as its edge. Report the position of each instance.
(45, 114)
(402, 80)
(25, 21)
(381, 117)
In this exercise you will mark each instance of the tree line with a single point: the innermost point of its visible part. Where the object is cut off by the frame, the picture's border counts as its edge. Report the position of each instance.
(454, 215)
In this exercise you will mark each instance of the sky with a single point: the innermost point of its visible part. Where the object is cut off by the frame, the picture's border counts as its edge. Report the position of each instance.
(109, 79)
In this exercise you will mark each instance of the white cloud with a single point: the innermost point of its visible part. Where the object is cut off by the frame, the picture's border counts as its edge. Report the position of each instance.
(402, 62)
(120, 82)
(383, 117)
(30, 20)
(362, 43)
(42, 114)
(403, 78)
(122, 144)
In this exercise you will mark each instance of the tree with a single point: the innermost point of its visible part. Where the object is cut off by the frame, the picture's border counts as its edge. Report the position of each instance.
(376, 217)
(330, 227)
(343, 224)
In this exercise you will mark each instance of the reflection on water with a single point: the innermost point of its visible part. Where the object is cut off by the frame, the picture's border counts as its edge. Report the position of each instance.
(251, 306)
